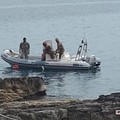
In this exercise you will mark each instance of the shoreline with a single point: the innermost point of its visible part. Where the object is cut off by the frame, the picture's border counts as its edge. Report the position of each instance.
(106, 107)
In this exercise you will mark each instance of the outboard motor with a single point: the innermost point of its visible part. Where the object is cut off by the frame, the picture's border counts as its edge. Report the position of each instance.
(95, 62)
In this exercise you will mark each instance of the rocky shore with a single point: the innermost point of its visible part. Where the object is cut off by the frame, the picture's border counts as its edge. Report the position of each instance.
(106, 107)
(12, 89)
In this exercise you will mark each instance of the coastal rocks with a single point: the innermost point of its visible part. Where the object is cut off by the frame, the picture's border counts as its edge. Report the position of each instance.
(114, 97)
(53, 114)
(47, 109)
(12, 89)
(106, 107)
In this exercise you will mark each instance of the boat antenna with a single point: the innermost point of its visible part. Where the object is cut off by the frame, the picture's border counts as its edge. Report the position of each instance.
(84, 35)
(82, 49)
(84, 38)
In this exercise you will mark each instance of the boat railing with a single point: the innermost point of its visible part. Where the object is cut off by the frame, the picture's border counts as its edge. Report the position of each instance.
(82, 50)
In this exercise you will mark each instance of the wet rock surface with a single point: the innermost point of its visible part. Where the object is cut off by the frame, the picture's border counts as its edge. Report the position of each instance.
(12, 89)
(48, 108)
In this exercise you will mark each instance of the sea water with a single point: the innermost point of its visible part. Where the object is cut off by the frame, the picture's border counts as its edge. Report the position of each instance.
(70, 20)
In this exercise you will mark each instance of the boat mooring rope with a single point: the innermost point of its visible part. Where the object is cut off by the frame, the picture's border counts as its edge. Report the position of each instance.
(9, 118)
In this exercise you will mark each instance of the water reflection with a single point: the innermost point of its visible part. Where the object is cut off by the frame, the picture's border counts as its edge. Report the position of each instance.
(72, 84)
(8, 72)
(62, 84)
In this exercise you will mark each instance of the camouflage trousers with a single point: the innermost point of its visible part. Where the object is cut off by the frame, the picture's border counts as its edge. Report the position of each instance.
(24, 54)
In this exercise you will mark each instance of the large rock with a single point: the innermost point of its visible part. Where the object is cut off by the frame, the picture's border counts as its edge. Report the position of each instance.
(52, 109)
(12, 89)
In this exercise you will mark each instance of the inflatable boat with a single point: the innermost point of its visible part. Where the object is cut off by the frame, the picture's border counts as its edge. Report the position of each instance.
(80, 61)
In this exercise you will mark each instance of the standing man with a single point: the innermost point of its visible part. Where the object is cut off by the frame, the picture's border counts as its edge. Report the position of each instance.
(24, 49)
(60, 49)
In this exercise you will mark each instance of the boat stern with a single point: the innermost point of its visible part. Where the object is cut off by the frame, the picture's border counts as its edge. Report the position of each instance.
(93, 61)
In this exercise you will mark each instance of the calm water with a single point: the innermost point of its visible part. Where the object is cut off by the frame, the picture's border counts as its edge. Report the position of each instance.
(39, 20)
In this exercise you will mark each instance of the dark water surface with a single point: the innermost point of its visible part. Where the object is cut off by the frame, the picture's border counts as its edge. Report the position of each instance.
(39, 20)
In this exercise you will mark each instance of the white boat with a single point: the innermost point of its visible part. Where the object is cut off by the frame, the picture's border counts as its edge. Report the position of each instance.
(81, 61)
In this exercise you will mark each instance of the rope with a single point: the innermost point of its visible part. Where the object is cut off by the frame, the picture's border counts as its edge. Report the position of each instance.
(7, 117)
